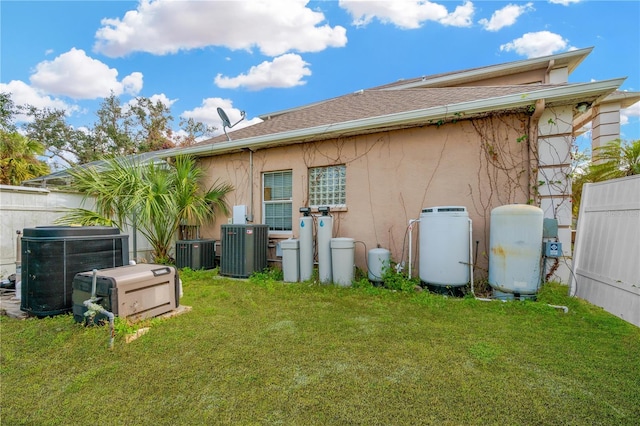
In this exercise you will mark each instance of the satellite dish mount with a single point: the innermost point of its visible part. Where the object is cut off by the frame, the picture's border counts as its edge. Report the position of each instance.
(226, 123)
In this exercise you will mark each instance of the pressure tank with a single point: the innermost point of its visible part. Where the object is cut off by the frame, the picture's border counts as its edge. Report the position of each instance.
(515, 251)
(306, 248)
(324, 234)
(378, 260)
(444, 246)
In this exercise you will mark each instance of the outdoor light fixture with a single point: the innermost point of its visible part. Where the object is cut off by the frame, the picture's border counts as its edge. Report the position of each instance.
(324, 210)
(582, 107)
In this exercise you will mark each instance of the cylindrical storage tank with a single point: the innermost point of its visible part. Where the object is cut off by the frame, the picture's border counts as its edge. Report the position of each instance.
(290, 260)
(324, 234)
(444, 246)
(306, 248)
(53, 255)
(515, 251)
(342, 260)
(378, 260)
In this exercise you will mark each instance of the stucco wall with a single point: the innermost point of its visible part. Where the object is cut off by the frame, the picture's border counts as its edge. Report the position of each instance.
(392, 176)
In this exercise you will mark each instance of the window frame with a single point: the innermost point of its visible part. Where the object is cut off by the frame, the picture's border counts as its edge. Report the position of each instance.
(283, 201)
(343, 177)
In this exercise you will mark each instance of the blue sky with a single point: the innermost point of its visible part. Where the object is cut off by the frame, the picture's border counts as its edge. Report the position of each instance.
(263, 56)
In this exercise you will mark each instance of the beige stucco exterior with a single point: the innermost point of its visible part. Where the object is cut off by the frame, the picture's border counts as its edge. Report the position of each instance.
(392, 176)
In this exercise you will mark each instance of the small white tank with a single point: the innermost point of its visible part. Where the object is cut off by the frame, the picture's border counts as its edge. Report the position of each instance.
(444, 246)
(378, 260)
(515, 250)
(343, 260)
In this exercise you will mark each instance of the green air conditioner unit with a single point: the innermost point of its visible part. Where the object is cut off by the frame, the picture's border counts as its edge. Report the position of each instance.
(195, 254)
(244, 249)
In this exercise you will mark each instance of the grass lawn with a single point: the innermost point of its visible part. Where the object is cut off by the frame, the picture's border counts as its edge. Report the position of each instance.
(264, 352)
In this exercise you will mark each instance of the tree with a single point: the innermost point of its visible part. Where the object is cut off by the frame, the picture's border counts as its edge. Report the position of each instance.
(18, 154)
(114, 128)
(18, 159)
(156, 198)
(137, 127)
(153, 119)
(614, 160)
(64, 144)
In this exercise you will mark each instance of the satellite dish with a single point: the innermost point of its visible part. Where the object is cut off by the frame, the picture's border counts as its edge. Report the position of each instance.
(226, 122)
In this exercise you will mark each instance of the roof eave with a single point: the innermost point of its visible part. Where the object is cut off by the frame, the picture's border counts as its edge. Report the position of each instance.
(552, 95)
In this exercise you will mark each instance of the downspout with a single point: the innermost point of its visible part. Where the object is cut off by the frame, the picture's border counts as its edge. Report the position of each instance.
(250, 218)
(532, 141)
(552, 62)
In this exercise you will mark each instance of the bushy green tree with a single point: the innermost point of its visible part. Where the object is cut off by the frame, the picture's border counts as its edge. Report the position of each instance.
(18, 154)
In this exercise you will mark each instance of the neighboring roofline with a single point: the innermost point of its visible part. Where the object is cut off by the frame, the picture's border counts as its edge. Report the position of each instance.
(570, 59)
(555, 94)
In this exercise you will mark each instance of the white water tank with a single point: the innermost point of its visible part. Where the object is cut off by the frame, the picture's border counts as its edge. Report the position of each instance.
(515, 250)
(324, 234)
(444, 246)
(290, 260)
(343, 260)
(378, 261)
(306, 248)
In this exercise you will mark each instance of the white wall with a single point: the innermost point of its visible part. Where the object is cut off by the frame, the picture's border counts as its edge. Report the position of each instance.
(607, 250)
(24, 207)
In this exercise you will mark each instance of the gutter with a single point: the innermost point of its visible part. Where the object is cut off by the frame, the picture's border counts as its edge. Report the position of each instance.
(420, 116)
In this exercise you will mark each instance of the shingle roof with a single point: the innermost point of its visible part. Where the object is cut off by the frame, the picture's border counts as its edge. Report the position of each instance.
(370, 103)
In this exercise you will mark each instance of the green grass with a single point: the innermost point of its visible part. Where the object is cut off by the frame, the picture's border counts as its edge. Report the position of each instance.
(263, 352)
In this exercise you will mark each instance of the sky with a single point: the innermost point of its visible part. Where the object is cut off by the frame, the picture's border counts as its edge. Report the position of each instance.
(263, 56)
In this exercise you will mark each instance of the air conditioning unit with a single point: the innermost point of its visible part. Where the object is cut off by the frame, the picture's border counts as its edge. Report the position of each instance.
(134, 291)
(195, 254)
(244, 249)
(53, 255)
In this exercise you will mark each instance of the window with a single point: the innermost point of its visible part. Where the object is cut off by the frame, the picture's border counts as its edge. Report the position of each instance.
(277, 204)
(327, 186)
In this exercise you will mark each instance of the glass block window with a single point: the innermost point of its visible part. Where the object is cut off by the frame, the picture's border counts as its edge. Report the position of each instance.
(327, 186)
(276, 200)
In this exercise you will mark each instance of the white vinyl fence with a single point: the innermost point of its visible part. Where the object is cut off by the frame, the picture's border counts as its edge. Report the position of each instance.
(607, 250)
(26, 207)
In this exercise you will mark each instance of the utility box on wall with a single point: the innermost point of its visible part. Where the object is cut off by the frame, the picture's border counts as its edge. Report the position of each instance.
(244, 249)
(195, 254)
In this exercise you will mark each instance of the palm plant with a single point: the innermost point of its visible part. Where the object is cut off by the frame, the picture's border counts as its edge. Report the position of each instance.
(156, 198)
(614, 160)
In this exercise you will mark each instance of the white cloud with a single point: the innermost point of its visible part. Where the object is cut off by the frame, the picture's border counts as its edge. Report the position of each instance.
(163, 26)
(407, 14)
(564, 2)
(628, 113)
(284, 71)
(462, 16)
(207, 113)
(537, 44)
(76, 75)
(22, 94)
(505, 17)
(132, 84)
